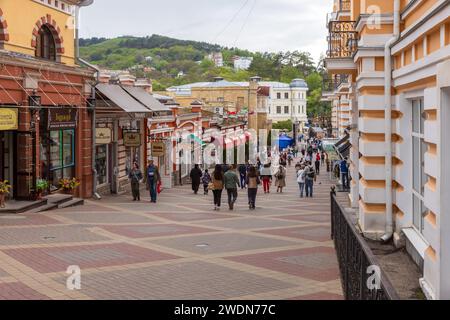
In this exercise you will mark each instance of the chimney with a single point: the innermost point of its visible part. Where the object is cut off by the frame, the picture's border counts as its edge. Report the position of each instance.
(127, 79)
(173, 106)
(196, 106)
(145, 84)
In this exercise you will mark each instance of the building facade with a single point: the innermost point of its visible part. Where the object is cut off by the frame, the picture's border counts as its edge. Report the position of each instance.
(45, 117)
(242, 63)
(392, 60)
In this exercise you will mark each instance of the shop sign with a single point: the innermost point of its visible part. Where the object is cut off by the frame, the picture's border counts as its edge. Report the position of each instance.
(62, 118)
(158, 149)
(132, 139)
(9, 119)
(103, 135)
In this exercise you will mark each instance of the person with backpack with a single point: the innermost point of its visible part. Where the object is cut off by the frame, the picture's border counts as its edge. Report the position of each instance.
(301, 178)
(252, 190)
(217, 184)
(206, 179)
(152, 179)
(231, 183)
(242, 175)
(280, 179)
(135, 176)
(309, 180)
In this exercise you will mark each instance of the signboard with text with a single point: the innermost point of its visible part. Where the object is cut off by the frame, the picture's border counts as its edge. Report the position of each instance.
(103, 135)
(9, 119)
(62, 118)
(158, 149)
(132, 139)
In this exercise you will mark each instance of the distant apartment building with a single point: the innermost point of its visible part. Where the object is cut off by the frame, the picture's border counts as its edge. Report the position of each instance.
(217, 58)
(242, 63)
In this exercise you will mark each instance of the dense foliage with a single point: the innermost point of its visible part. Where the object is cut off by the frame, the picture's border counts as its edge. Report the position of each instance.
(170, 62)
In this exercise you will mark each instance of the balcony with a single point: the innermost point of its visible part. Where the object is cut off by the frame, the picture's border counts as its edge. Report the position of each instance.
(342, 45)
(332, 85)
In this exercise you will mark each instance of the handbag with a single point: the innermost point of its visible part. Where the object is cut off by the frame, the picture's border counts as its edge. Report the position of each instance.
(210, 186)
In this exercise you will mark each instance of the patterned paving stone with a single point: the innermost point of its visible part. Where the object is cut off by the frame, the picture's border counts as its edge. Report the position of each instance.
(220, 243)
(159, 230)
(26, 220)
(191, 216)
(308, 217)
(248, 223)
(181, 281)
(56, 259)
(19, 291)
(47, 235)
(3, 273)
(314, 233)
(105, 217)
(319, 296)
(317, 263)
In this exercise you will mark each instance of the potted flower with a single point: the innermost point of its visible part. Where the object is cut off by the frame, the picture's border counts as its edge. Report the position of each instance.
(41, 186)
(69, 185)
(4, 190)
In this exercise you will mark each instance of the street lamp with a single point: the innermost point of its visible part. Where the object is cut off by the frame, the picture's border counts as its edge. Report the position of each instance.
(34, 102)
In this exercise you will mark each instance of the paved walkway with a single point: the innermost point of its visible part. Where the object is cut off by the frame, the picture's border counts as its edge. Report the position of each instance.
(178, 248)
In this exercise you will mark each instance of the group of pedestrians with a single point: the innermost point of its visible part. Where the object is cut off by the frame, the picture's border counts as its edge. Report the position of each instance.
(229, 181)
(152, 180)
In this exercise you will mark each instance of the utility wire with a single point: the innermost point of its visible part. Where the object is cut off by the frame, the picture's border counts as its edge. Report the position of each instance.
(231, 21)
(245, 23)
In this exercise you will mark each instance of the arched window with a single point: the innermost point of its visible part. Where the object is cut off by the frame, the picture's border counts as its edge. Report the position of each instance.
(45, 44)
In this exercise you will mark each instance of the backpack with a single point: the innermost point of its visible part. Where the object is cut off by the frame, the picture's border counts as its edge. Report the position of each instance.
(311, 174)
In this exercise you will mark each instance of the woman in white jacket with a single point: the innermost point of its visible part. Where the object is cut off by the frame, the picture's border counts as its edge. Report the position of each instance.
(301, 176)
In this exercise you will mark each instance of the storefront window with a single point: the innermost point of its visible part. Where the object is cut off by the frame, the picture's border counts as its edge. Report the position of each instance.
(59, 149)
(101, 163)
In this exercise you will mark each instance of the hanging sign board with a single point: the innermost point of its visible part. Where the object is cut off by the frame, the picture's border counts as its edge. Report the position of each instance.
(9, 119)
(62, 118)
(158, 149)
(132, 139)
(103, 135)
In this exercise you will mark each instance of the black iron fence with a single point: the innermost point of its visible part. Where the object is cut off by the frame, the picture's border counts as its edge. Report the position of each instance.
(342, 39)
(362, 278)
(332, 83)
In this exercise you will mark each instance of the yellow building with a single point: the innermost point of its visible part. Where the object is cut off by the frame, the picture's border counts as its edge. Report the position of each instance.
(391, 60)
(231, 97)
(25, 19)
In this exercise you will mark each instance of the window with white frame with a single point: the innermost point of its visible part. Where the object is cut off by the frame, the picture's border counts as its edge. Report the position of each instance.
(419, 147)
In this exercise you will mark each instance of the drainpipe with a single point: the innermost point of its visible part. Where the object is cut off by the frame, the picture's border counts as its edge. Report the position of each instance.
(388, 123)
(85, 3)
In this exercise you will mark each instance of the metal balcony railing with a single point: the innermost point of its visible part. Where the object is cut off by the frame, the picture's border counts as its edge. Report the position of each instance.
(342, 39)
(331, 84)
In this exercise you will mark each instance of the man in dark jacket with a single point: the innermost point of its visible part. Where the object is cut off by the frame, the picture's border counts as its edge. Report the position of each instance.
(152, 178)
(231, 183)
(243, 175)
(196, 175)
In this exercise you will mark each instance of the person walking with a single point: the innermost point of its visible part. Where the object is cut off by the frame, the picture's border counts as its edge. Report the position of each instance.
(135, 176)
(217, 186)
(301, 179)
(344, 174)
(317, 163)
(206, 179)
(242, 175)
(231, 182)
(252, 190)
(195, 175)
(310, 176)
(280, 179)
(152, 179)
(266, 176)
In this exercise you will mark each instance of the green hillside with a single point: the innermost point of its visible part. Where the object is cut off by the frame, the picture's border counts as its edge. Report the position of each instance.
(168, 62)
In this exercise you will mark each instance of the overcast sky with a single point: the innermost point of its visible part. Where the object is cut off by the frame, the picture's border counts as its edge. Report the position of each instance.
(257, 25)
